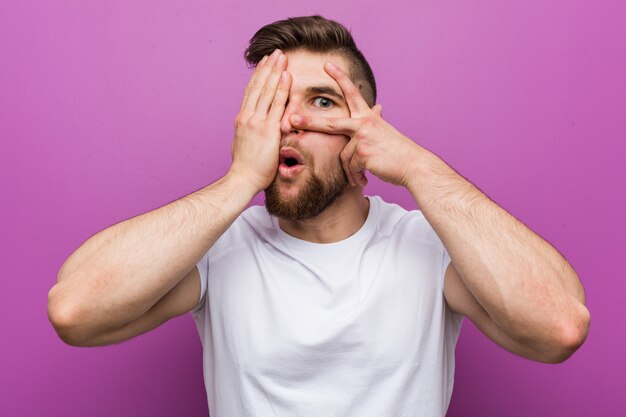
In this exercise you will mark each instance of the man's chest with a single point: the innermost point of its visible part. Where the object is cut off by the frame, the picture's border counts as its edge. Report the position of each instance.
(276, 312)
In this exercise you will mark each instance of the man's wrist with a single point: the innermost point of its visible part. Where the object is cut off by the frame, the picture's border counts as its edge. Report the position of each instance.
(423, 172)
(419, 169)
(244, 182)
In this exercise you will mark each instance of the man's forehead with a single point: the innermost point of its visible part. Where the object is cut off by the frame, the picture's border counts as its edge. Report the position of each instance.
(307, 70)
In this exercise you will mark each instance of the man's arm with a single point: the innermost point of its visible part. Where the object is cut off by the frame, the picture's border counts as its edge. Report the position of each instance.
(117, 275)
(516, 287)
(519, 281)
(135, 275)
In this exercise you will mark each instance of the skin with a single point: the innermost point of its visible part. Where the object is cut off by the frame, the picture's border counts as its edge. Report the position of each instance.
(511, 283)
(348, 213)
(135, 275)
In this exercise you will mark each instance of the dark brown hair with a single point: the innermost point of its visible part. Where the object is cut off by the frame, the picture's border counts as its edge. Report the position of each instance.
(314, 34)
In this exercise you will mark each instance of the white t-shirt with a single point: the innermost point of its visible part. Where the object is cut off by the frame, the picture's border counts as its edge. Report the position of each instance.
(359, 327)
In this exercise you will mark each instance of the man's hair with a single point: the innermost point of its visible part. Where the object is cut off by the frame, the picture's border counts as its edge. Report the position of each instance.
(314, 34)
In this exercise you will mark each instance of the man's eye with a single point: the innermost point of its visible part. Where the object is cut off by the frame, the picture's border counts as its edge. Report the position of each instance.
(324, 102)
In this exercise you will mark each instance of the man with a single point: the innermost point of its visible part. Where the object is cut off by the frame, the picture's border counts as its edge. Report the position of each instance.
(328, 302)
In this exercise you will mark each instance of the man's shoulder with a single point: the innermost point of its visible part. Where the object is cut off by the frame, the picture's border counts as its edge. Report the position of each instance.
(252, 226)
(393, 213)
(397, 220)
(256, 217)
(387, 207)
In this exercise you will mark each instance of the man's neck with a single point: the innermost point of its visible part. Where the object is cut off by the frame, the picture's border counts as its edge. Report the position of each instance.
(343, 218)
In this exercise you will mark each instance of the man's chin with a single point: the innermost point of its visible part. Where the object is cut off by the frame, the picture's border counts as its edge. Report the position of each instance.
(287, 190)
(302, 201)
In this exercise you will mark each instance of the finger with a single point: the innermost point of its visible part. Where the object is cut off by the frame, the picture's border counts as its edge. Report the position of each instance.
(346, 156)
(357, 171)
(378, 110)
(357, 104)
(363, 180)
(251, 81)
(257, 84)
(269, 90)
(332, 125)
(280, 98)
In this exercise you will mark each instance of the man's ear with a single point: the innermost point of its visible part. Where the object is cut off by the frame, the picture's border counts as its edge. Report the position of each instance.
(378, 109)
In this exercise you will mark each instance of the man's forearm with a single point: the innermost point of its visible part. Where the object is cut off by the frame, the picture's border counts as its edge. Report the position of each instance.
(519, 279)
(122, 271)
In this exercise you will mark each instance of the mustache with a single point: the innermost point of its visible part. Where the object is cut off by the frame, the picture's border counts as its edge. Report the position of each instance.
(295, 143)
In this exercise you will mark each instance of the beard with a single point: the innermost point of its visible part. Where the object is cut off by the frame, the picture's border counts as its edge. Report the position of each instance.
(312, 199)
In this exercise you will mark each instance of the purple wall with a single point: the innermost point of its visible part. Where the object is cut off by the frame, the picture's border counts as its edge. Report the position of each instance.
(111, 108)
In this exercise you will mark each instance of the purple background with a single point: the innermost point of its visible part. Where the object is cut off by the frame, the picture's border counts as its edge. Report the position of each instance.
(111, 108)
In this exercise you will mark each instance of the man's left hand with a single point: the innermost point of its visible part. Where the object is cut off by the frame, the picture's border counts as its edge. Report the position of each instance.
(374, 144)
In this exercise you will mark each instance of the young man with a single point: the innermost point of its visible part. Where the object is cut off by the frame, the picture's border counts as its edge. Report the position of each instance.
(325, 302)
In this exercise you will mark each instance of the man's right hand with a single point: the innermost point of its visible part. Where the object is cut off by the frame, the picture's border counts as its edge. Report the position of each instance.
(137, 274)
(257, 126)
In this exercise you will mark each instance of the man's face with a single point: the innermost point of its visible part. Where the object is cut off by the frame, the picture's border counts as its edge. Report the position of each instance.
(310, 176)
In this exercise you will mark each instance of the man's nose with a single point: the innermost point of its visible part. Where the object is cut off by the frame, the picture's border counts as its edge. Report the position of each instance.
(285, 126)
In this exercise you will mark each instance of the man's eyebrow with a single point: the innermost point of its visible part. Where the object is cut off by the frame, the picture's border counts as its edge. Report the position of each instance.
(325, 90)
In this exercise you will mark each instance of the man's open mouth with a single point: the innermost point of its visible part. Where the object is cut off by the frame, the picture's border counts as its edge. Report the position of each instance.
(290, 162)
(290, 157)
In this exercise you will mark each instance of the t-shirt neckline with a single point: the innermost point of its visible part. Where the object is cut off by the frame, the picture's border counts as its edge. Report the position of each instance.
(364, 232)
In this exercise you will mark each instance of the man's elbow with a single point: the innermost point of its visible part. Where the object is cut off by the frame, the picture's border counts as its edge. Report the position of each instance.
(571, 335)
(64, 318)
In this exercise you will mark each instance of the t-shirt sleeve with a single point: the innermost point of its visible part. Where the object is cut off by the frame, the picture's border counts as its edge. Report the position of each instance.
(431, 235)
(426, 232)
(203, 271)
(446, 260)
